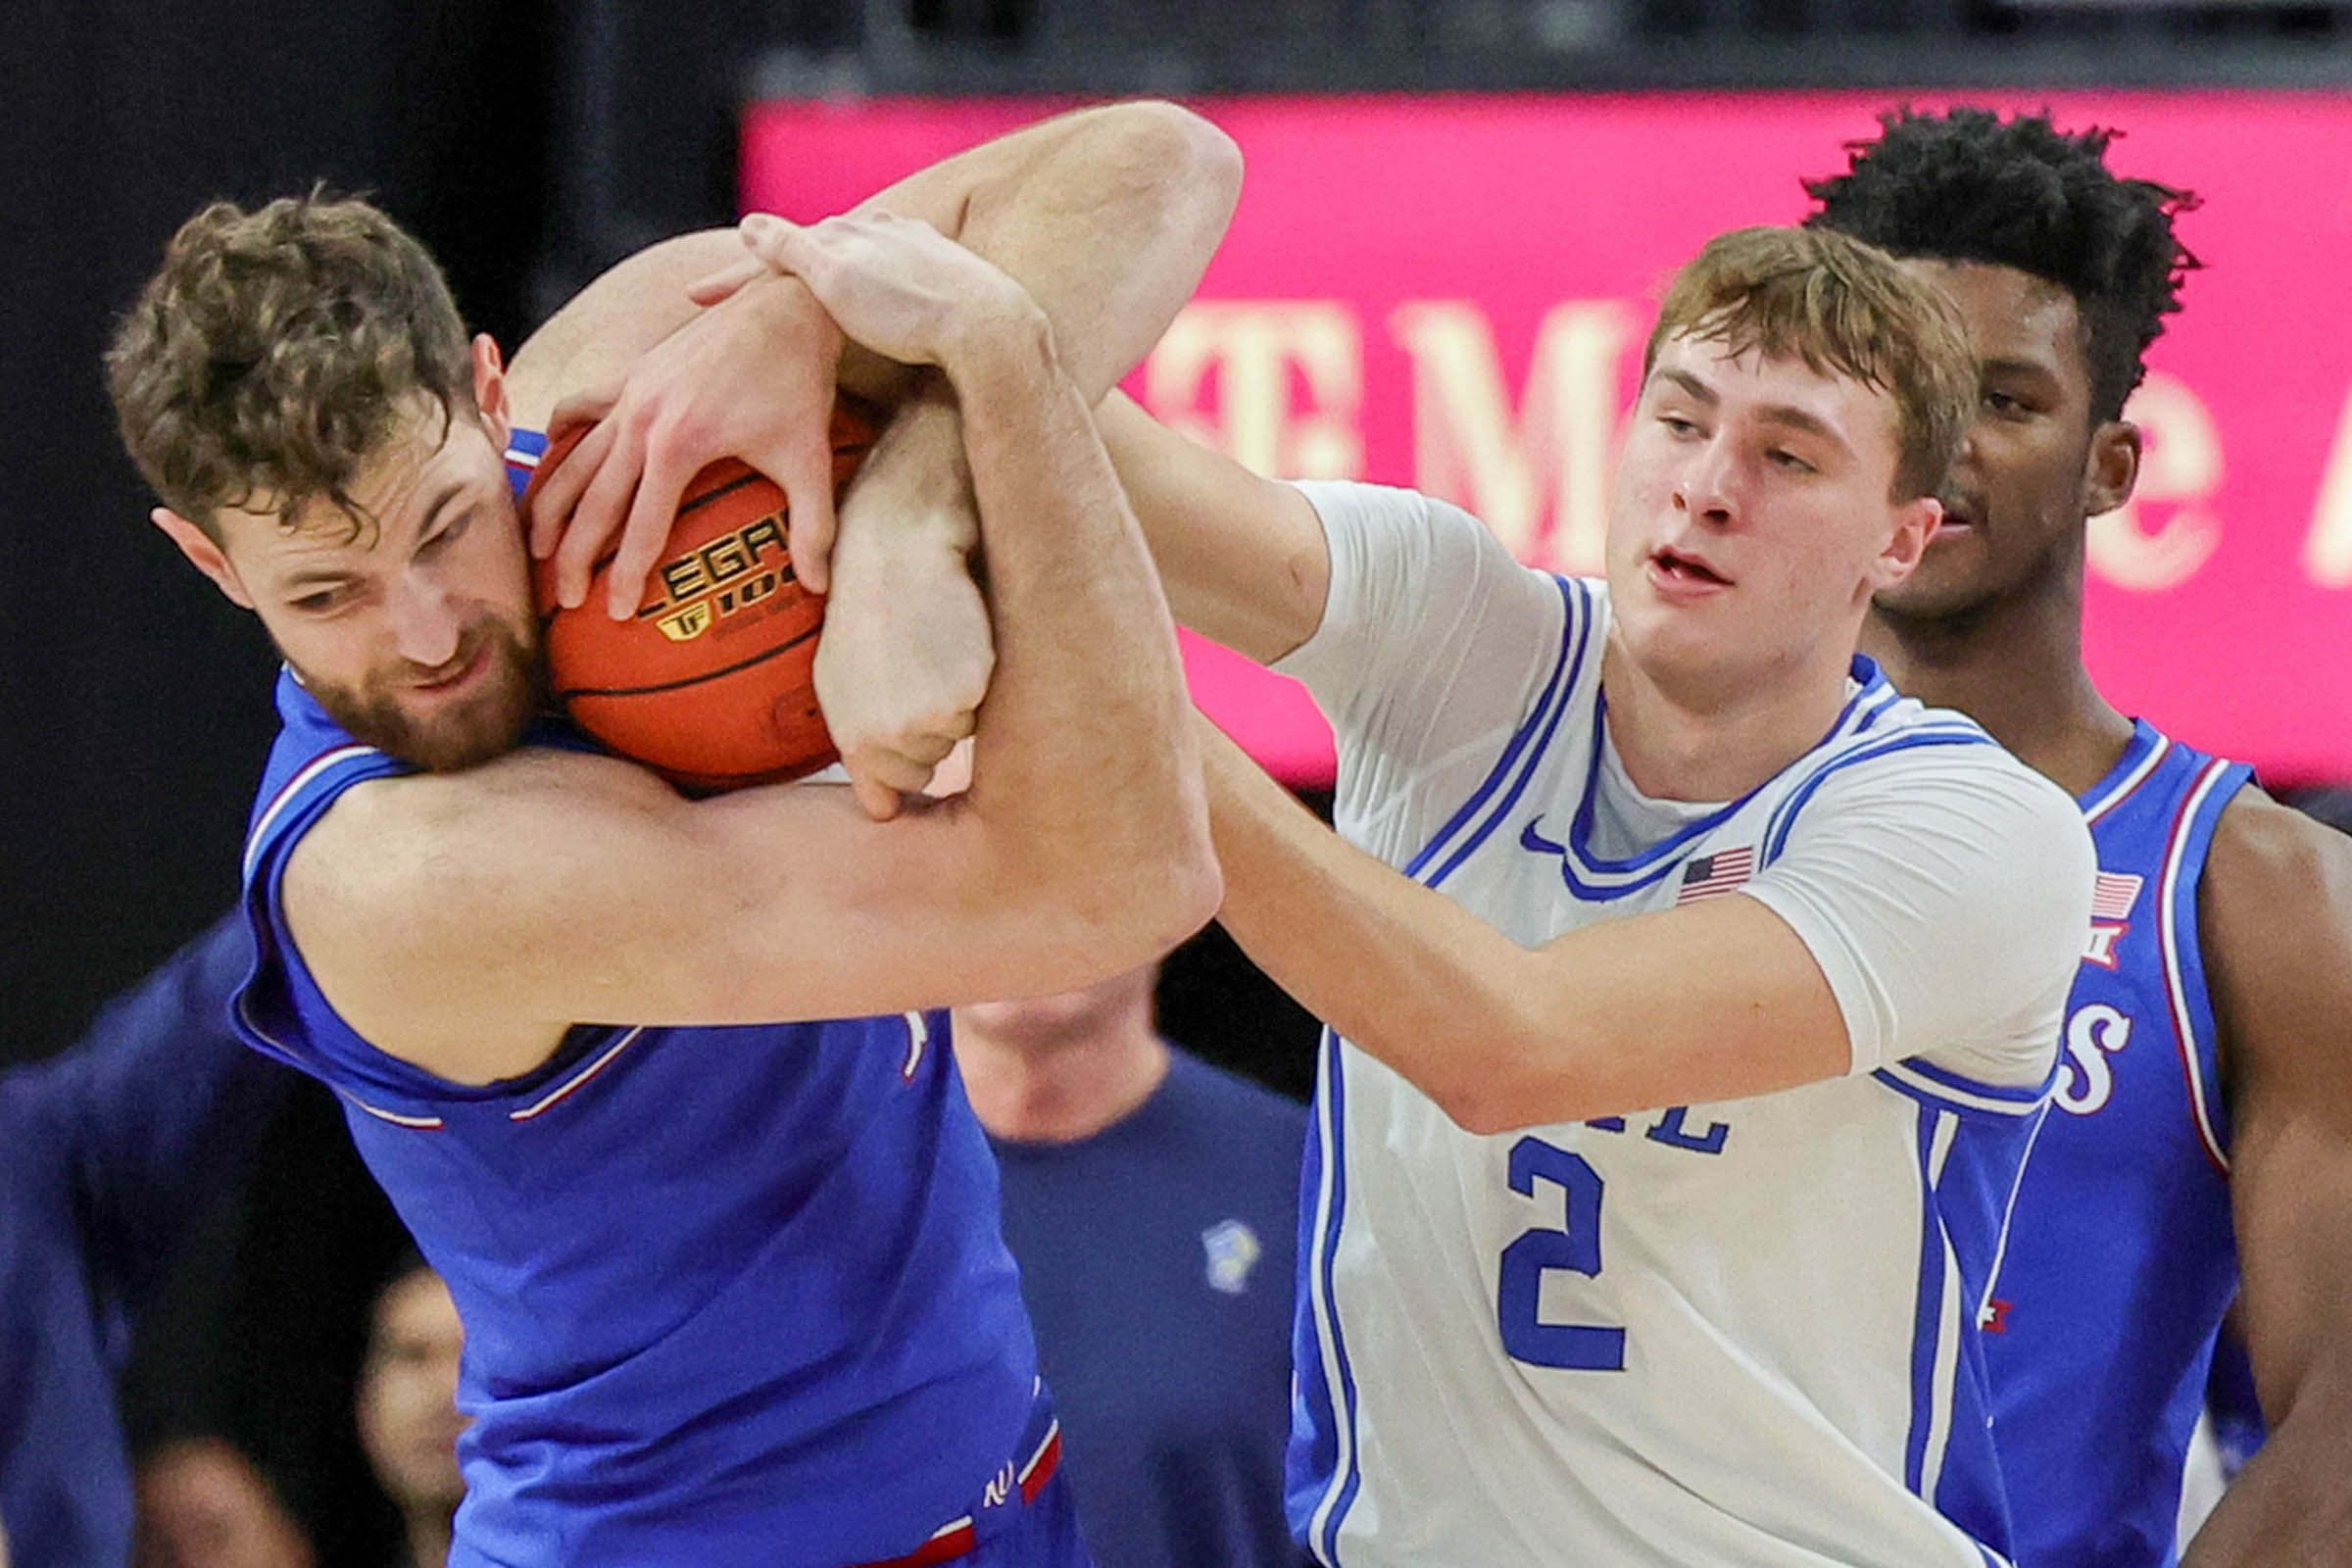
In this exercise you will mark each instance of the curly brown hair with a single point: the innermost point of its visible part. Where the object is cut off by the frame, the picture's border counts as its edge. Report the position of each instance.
(1845, 309)
(274, 351)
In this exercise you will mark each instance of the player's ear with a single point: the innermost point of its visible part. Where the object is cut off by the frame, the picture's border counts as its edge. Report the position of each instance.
(490, 388)
(2112, 468)
(1914, 523)
(206, 554)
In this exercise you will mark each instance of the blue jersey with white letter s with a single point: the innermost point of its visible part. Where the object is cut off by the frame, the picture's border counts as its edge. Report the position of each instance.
(2120, 1256)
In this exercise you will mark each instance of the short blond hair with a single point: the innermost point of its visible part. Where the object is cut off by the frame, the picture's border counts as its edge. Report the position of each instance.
(276, 351)
(1843, 308)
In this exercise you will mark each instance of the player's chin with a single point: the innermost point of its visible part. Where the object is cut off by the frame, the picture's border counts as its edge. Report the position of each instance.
(478, 733)
(457, 733)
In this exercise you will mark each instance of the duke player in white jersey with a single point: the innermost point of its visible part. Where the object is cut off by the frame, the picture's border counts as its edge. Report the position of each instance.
(1653, 1226)
(1697, 997)
(2209, 1045)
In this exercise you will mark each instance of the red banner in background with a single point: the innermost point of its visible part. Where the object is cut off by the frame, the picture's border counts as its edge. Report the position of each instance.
(1452, 293)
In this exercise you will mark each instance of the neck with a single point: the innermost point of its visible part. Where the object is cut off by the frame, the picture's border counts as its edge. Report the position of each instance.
(429, 1530)
(1679, 746)
(1061, 1090)
(2014, 666)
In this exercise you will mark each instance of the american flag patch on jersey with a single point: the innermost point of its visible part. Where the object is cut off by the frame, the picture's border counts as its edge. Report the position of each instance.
(1715, 873)
(2113, 895)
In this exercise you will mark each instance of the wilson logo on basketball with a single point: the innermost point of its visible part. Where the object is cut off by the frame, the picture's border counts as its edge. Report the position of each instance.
(706, 585)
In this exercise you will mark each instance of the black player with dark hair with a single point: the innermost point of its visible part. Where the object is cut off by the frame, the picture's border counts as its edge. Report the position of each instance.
(2200, 1143)
(1972, 186)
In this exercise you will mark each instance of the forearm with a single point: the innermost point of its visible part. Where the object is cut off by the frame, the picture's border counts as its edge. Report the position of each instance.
(1085, 765)
(1107, 217)
(1402, 971)
(1716, 1001)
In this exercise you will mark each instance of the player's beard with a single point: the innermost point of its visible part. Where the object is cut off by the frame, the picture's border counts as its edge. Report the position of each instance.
(488, 721)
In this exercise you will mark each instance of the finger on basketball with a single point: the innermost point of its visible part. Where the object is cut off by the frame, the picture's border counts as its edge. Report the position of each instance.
(647, 530)
(598, 516)
(809, 485)
(563, 472)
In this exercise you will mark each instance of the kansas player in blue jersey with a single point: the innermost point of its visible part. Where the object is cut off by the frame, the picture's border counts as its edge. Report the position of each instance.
(650, 1080)
(2200, 1141)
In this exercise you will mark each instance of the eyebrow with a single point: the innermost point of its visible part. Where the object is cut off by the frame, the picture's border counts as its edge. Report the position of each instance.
(2010, 365)
(440, 504)
(326, 576)
(1786, 415)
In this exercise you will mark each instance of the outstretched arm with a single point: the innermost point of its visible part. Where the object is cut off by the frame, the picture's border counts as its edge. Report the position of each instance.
(1716, 999)
(2275, 907)
(1477, 1022)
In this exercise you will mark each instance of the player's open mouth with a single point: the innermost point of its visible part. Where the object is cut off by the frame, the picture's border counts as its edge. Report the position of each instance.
(1685, 571)
(457, 670)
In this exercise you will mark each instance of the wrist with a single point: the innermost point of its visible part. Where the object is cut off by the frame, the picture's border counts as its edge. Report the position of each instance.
(1011, 342)
(794, 319)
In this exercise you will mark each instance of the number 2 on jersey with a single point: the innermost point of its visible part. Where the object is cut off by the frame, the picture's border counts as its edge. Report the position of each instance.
(1576, 1247)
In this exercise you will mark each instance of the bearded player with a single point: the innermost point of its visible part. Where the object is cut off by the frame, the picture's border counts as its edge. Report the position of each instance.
(2200, 1141)
(649, 1079)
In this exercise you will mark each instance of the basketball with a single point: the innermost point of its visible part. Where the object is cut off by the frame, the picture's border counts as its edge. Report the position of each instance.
(710, 683)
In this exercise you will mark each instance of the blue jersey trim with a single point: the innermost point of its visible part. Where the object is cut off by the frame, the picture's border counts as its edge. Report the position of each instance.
(1575, 637)
(1928, 1316)
(1961, 1081)
(2195, 1028)
(2005, 1102)
(2141, 759)
(524, 449)
(1346, 1475)
(322, 778)
(1784, 817)
(1593, 877)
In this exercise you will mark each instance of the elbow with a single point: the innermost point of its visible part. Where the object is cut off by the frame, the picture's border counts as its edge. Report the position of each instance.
(1163, 893)
(1178, 150)
(1490, 1077)
(1483, 1112)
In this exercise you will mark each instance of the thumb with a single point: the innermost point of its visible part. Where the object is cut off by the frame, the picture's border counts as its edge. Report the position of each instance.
(768, 237)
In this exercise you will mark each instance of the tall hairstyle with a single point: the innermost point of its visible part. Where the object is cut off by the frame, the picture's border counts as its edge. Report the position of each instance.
(274, 351)
(1971, 187)
(1845, 309)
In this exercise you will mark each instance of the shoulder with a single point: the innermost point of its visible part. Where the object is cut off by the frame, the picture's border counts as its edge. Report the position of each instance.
(1384, 519)
(407, 882)
(2275, 903)
(407, 833)
(2263, 842)
(1938, 770)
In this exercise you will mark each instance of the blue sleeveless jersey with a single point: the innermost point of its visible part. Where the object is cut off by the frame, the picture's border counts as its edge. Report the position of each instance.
(730, 1295)
(2120, 1256)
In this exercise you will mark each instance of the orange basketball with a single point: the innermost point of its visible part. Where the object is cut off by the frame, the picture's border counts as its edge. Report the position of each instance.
(710, 683)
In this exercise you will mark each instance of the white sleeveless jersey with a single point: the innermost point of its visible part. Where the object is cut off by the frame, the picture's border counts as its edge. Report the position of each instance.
(1741, 1333)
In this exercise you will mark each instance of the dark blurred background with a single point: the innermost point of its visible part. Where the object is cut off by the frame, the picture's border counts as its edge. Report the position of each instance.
(529, 144)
